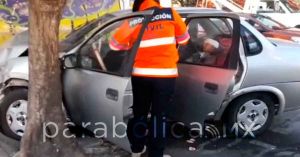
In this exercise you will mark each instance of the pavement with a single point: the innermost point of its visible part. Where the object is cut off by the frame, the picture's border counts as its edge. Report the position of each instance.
(282, 140)
(3, 153)
(8, 146)
(93, 147)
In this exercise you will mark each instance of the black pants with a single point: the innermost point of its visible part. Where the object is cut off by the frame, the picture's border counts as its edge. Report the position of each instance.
(150, 95)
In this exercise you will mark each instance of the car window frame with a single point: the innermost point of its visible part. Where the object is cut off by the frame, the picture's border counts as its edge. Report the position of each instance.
(247, 54)
(233, 57)
(147, 17)
(259, 17)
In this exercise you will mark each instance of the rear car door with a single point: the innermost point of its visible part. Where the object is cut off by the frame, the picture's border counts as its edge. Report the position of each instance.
(207, 68)
(97, 91)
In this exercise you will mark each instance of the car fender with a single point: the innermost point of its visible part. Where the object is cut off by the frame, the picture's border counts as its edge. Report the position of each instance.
(14, 82)
(15, 70)
(244, 91)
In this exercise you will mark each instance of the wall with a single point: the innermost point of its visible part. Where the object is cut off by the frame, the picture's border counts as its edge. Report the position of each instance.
(14, 15)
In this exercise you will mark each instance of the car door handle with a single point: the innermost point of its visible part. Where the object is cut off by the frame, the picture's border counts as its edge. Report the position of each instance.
(112, 94)
(211, 87)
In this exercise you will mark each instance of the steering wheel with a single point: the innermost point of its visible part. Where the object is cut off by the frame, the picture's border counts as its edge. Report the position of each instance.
(96, 51)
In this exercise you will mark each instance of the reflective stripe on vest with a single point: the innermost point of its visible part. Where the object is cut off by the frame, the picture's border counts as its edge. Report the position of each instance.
(158, 42)
(114, 45)
(183, 39)
(156, 71)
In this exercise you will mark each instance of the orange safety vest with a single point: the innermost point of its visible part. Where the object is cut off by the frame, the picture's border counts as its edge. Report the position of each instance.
(157, 55)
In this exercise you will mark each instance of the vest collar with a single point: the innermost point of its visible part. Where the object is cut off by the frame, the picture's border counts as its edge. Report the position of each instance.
(148, 4)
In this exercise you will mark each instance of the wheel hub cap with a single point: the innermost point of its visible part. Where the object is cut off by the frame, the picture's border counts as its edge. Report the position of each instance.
(16, 116)
(252, 115)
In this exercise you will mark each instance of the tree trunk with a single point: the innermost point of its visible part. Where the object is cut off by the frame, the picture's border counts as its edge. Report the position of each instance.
(45, 90)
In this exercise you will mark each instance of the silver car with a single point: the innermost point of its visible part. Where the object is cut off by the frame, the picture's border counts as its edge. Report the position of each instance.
(245, 81)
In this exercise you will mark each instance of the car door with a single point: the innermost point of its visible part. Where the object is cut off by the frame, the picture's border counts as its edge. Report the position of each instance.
(98, 91)
(207, 66)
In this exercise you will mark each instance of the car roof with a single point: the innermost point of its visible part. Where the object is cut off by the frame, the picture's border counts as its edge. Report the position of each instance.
(244, 14)
(194, 10)
(180, 10)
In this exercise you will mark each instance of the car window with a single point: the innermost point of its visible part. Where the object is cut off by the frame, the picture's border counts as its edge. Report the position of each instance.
(211, 40)
(78, 35)
(251, 44)
(256, 25)
(98, 54)
(270, 23)
(222, 25)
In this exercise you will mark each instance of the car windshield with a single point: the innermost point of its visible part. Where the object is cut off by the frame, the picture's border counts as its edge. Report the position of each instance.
(77, 36)
(292, 5)
(270, 23)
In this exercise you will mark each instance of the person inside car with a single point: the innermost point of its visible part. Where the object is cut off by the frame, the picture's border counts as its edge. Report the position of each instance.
(204, 50)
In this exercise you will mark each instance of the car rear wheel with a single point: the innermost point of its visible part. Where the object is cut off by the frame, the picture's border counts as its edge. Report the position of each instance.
(13, 112)
(250, 115)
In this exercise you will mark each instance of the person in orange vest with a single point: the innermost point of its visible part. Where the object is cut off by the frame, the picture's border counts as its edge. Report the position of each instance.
(154, 74)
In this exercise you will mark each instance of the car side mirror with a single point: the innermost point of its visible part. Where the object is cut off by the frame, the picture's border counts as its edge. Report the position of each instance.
(70, 61)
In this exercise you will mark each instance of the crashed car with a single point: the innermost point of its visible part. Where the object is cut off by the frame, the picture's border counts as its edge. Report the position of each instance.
(271, 28)
(247, 81)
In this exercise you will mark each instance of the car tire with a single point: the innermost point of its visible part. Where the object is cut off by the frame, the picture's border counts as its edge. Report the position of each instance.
(13, 112)
(250, 115)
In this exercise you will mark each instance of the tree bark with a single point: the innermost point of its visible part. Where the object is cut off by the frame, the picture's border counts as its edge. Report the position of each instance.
(45, 90)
